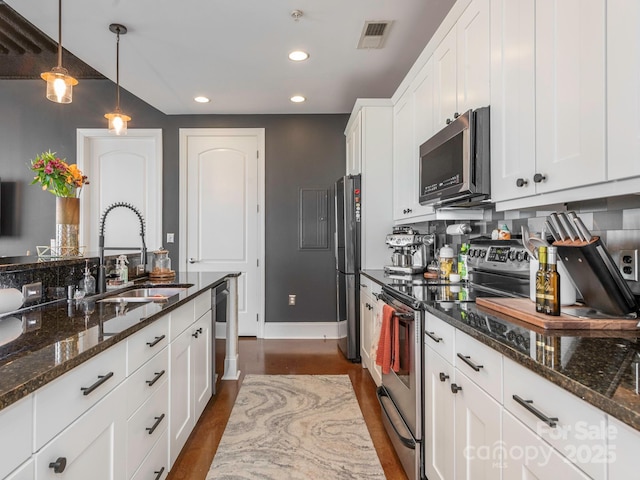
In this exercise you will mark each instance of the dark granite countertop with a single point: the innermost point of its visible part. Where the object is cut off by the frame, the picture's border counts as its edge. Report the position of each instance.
(602, 367)
(59, 336)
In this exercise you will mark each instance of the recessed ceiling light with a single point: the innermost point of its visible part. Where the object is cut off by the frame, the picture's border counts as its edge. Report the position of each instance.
(202, 99)
(298, 56)
(297, 99)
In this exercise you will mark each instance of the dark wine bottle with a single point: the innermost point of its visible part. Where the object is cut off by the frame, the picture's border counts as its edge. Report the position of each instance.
(552, 284)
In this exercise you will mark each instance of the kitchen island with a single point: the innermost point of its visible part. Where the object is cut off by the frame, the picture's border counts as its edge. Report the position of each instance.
(115, 387)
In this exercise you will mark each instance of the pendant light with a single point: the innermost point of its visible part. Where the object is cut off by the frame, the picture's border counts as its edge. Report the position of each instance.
(59, 83)
(117, 119)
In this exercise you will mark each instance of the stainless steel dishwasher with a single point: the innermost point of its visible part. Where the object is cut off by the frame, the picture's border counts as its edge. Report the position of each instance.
(220, 296)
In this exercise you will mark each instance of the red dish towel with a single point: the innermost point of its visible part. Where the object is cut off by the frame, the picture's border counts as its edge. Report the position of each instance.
(387, 355)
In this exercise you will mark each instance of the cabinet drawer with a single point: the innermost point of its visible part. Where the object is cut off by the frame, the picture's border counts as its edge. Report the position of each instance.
(156, 465)
(527, 456)
(440, 336)
(146, 380)
(146, 343)
(146, 426)
(622, 447)
(202, 304)
(480, 363)
(576, 429)
(60, 402)
(16, 447)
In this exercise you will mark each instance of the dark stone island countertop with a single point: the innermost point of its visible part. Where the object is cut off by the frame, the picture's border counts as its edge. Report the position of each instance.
(602, 367)
(59, 336)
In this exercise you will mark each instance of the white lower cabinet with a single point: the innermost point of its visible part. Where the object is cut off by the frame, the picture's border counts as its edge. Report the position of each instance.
(24, 471)
(478, 431)
(623, 445)
(190, 381)
(156, 465)
(17, 447)
(439, 414)
(370, 317)
(92, 447)
(527, 457)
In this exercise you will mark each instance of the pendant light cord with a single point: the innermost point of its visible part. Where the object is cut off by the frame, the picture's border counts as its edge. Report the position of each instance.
(59, 33)
(118, 71)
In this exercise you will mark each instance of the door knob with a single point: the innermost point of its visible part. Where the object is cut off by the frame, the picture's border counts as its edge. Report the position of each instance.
(539, 177)
(455, 388)
(521, 182)
(443, 376)
(192, 260)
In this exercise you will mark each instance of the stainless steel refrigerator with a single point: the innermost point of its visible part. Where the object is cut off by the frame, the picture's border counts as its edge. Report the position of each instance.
(348, 210)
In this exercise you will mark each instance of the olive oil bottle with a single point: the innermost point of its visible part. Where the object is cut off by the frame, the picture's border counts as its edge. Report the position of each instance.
(540, 279)
(552, 284)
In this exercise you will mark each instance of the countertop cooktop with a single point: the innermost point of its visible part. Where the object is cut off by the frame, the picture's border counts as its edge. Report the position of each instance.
(600, 366)
(39, 344)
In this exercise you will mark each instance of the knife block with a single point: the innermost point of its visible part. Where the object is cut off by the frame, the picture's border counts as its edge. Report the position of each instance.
(597, 277)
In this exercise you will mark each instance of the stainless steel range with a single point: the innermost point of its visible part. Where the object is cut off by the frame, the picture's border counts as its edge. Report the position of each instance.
(499, 266)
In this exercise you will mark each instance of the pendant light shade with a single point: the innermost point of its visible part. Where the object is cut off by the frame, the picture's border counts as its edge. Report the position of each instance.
(117, 119)
(59, 83)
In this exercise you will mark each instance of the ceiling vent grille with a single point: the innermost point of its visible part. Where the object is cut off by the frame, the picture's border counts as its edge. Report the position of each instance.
(374, 34)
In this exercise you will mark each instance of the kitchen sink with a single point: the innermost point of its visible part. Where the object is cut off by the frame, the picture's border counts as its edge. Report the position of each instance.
(147, 294)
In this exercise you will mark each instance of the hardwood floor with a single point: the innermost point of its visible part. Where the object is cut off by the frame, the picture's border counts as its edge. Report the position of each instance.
(282, 357)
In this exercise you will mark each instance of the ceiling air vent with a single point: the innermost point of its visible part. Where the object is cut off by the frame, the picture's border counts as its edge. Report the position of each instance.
(374, 34)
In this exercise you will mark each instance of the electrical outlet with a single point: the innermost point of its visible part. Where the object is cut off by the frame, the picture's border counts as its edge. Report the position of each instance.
(31, 292)
(170, 237)
(628, 264)
(292, 299)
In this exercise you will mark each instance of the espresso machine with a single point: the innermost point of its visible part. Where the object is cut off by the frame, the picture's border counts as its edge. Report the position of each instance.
(410, 251)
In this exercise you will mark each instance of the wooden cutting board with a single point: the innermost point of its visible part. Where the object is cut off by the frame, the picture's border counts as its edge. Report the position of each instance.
(524, 310)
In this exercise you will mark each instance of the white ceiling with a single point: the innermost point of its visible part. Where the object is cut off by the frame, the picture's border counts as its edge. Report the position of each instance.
(235, 51)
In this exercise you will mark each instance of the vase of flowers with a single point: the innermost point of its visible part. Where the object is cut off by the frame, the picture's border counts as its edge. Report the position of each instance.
(65, 182)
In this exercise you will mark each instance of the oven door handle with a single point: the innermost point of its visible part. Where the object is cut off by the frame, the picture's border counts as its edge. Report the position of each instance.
(407, 442)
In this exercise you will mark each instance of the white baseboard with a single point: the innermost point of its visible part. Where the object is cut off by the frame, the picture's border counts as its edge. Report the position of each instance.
(306, 330)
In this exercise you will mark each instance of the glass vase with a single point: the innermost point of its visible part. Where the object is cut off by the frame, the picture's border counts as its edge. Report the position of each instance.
(67, 226)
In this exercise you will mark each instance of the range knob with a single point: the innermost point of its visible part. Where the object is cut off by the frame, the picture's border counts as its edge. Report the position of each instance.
(520, 256)
(526, 256)
(512, 255)
(482, 253)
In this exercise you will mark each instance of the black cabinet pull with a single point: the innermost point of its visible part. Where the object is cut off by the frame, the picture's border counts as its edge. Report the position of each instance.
(521, 182)
(539, 177)
(155, 379)
(528, 404)
(455, 388)
(159, 473)
(156, 341)
(466, 360)
(59, 465)
(433, 337)
(443, 376)
(155, 425)
(197, 332)
(101, 380)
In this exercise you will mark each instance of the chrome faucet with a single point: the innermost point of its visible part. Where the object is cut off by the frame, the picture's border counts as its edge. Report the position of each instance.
(102, 269)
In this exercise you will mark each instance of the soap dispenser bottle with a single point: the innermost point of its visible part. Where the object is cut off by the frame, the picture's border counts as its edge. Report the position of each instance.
(89, 280)
(122, 269)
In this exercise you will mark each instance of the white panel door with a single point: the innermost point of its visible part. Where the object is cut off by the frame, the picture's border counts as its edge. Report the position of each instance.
(445, 81)
(570, 93)
(222, 196)
(121, 169)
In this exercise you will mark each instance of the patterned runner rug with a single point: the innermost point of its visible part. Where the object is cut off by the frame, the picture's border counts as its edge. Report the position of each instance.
(296, 427)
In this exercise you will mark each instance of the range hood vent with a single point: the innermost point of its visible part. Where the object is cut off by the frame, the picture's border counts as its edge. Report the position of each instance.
(374, 34)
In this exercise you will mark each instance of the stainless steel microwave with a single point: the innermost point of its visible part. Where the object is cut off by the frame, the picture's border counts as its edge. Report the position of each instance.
(455, 162)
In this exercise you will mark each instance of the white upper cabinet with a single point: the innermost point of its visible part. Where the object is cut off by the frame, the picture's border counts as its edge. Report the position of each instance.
(623, 88)
(513, 152)
(405, 159)
(445, 68)
(548, 97)
(570, 93)
(473, 52)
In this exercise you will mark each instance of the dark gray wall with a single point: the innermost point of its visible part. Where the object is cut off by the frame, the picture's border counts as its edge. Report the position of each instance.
(301, 151)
